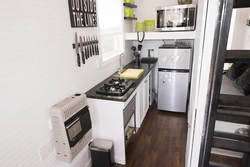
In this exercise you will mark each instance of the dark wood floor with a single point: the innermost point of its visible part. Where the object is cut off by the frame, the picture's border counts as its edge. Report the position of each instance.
(161, 142)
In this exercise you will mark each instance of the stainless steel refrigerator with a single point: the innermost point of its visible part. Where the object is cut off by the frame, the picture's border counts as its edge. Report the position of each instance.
(173, 78)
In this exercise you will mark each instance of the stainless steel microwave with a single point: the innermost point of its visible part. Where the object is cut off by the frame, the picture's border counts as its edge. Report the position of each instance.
(176, 18)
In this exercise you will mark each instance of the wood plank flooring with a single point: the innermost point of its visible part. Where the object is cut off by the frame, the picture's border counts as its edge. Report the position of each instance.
(160, 142)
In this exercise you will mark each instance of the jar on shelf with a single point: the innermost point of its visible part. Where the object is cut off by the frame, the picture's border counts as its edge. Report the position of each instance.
(149, 25)
(140, 27)
(182, 2)
(128, 1)
(128, 12)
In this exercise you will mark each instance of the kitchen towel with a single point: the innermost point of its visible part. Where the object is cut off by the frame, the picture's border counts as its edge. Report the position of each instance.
(132, 73)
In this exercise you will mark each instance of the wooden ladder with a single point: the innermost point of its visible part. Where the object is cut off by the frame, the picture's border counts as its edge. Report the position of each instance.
(229, 108)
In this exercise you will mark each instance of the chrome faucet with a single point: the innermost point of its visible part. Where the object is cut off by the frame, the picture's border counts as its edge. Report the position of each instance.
(120, 70)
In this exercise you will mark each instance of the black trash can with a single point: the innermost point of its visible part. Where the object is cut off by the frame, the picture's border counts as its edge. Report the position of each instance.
(102, 153)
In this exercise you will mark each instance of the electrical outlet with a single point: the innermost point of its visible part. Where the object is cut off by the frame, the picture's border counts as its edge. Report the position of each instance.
(45, 150)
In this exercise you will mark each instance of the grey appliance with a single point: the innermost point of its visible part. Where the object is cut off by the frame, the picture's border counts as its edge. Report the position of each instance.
(176, 18)
(173, 78)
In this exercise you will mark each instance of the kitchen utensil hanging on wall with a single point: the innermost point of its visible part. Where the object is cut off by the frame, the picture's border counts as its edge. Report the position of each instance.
(92, 46)
(81, 48)
(88, 47)
(97, 48)
(77, 50)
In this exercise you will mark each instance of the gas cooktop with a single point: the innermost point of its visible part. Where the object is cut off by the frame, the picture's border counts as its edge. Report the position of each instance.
(115, 87)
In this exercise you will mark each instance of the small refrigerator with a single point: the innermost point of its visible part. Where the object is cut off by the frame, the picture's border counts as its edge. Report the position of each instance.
(173, 78)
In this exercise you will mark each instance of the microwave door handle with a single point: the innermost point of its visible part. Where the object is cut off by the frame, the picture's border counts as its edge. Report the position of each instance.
(72, 123)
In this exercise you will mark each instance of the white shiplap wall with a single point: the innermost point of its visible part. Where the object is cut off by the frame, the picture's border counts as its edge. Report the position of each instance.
(37, 70)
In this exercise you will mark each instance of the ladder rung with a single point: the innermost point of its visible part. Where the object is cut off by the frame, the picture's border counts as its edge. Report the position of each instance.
(241, 113)
(241, 4)
(237, 56)
(215, 164)
(232, 136)
(232, 145)
(233, 116)
(234, 102)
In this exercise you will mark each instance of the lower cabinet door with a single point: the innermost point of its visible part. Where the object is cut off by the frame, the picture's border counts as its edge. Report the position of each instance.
(145, 95)
(173, 91)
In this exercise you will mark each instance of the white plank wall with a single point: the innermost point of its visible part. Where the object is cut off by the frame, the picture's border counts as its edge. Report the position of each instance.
(38, 68)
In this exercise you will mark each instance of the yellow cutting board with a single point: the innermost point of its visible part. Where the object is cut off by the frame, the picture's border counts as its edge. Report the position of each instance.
(132, 73)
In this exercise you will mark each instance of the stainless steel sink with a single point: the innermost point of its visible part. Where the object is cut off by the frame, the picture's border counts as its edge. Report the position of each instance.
(119, 72)
(116, 75)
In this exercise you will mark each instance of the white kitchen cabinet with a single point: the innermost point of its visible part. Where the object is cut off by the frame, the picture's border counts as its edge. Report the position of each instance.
(143, 99)
(145, 92)
(109, 119)
(150, 77)
(109, 122)
(139, 101)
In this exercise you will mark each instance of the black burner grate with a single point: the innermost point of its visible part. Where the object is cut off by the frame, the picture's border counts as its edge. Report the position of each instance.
(115, 87)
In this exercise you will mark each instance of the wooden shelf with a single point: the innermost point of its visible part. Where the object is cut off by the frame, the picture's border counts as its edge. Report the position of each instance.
(130, 18)
(232, 145)
(233, 108)
(234, 102)
(216, 164)
(241, 4)
(162, 35)
(130, 5)
(232, 136)
(241, 117)
(237, 56)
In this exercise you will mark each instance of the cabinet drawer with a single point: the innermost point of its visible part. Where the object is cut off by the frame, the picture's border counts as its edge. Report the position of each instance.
(129, 111)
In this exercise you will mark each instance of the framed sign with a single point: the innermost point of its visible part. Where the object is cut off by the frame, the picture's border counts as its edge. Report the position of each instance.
(82, 13)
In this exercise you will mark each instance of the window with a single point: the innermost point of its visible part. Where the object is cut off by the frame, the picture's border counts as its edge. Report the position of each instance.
(110, 16)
